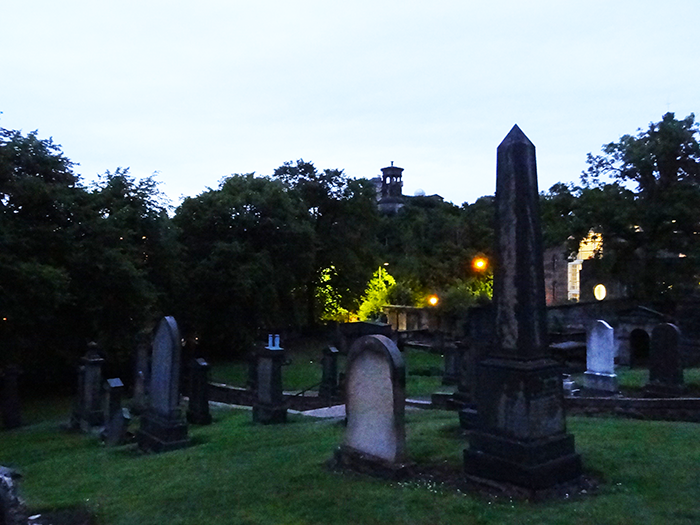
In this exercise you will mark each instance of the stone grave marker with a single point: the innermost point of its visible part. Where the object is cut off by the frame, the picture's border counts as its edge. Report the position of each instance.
(375, 437)
(115, 426)
(198, 406)
(600, 377)
(665, 362)
(11, 408)
(163, 426)
(329, 373)
(139, 401)
(269, 404)
(521, 434)
(88, 411)
(453, 364)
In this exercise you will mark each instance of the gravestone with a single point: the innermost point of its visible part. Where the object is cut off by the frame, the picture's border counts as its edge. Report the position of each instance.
(139, 400)
(198, 406)
(453, 357)
(665, 362)
(115, 427)
(88, 411)
(600, 375)
(11, 408)
(375, 436)
(163, 426)
(12, 508)
(329, 373)
(269, 404)
(521, 435)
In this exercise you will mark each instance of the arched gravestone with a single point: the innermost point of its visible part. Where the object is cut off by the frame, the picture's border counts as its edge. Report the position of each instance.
(375, 404)
(600, 359)
(665, 362)
(163, 426)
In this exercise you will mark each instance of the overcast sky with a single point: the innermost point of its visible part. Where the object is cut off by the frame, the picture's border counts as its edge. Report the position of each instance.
(200, 90)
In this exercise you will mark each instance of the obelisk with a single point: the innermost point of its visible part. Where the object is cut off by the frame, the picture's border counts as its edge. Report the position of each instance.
(521, 433)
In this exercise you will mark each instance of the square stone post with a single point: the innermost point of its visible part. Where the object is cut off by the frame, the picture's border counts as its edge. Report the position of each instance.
(198, 407)
(269, 402)
(115, 426)
(521, 436)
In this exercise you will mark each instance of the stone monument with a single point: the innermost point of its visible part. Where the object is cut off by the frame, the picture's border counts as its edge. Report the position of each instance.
(88, 411)
(600, 377)
(11, 408)
(375, 402)
(163, 426)
(329, 374)
(115, 426)
(139, 401)
(521, 436)
(665, 362)
(269, 404)
(198, 406)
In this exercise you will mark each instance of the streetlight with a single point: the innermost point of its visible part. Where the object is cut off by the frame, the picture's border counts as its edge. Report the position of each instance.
(480, 263)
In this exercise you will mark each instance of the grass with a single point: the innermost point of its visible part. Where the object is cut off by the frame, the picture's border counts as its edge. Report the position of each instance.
(423, 370)
(239, 473)
(636, 378)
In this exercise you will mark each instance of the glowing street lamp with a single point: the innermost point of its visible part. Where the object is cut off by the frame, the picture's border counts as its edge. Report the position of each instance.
(433, 300)
(480, 263)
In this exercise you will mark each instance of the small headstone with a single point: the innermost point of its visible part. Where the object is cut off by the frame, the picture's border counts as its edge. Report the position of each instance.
(12, 507)
(600, 377)
(163, 425)
(375, 405)
(198, 407)
(665, 362)
(269, 405)
(329, 373)
(453, 358)
(11, 409)
(115, 427)
(139, 401)
(88, 411)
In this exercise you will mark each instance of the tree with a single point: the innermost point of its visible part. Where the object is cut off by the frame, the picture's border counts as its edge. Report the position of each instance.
(343, 216)
(662, 220)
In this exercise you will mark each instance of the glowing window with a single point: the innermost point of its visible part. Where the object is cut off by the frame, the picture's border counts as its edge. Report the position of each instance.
(599, 292)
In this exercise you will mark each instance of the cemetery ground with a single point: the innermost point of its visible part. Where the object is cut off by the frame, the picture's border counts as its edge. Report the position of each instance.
(238, 472)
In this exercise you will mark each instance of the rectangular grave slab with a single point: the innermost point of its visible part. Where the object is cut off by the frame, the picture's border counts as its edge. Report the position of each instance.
(269, 406)
(600, 377)
(665, 362)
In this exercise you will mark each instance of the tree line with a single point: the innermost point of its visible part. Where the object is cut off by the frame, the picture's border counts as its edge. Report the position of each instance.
(288, 251)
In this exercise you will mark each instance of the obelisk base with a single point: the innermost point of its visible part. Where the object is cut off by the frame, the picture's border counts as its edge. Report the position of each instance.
(521, 436)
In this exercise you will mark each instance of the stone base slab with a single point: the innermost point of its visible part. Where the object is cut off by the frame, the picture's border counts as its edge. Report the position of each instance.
(159, 434)
(600, 382)
(358, 461)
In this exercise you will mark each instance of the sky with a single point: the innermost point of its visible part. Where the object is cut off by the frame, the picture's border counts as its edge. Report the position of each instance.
(197, 91)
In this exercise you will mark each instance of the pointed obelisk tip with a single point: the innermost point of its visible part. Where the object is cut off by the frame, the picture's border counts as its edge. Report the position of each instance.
(515, 135)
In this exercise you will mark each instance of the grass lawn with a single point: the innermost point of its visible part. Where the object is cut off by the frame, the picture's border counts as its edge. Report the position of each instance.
(239, 473)
(636, 378)
(423, 370)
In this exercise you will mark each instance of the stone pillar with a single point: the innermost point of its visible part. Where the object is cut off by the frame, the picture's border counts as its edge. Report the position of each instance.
(11, 408)
(115, 426)
(521, 436)
(665, 362)
(269, 402)
(375, 438)
(600, 375)
(163, 425)
(329, 373)
(88, 411)
(198, 407)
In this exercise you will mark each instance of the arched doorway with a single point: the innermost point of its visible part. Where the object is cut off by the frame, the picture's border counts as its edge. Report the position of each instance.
(639, 347)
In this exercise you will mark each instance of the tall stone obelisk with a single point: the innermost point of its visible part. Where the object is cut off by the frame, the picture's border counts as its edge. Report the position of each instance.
(521, 434)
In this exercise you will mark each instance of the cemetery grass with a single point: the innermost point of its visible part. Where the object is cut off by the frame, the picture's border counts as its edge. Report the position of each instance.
(633, 380)
(239, 473)
(423, 370)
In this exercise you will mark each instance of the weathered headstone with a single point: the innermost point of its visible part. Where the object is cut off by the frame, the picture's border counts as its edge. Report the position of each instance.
(115, 426)
(139, 401)
(198, 406)
(521, 436)
(11, 408)
(665, 362)
(163, 426)
(329, 373)
(88, 411)
(269, 404)
(12, 508)
(453, 364)
(375, 405)
(600, 359)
